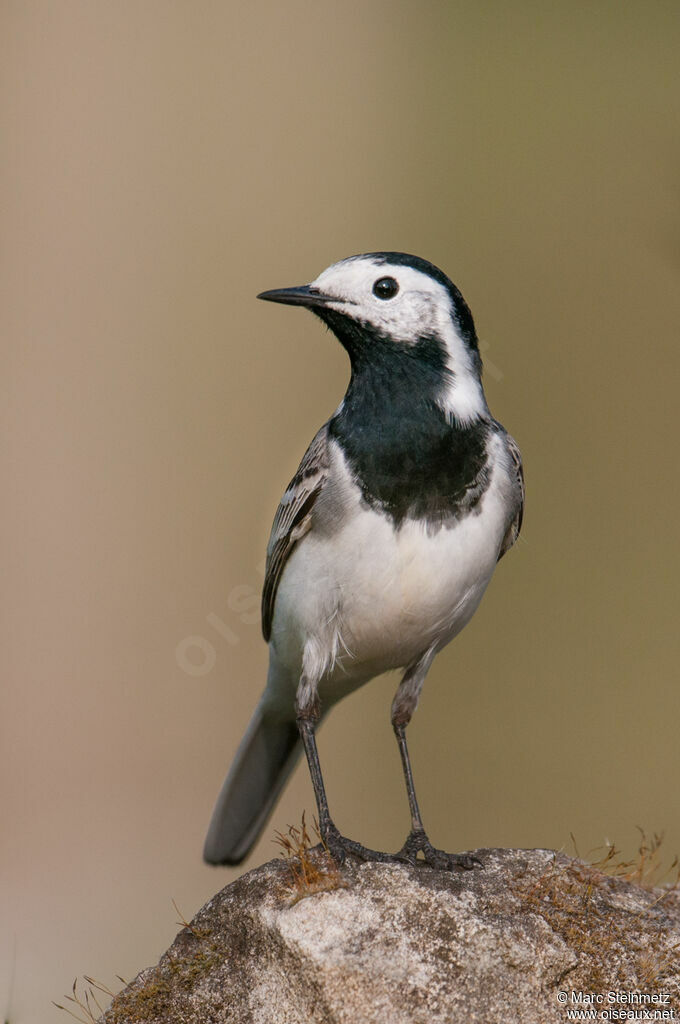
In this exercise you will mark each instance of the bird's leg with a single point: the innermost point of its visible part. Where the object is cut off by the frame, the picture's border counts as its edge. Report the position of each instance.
(307, 728)
(308, 714)
(403, 706)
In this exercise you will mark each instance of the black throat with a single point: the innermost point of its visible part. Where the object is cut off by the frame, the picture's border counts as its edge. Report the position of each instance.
(409, 460)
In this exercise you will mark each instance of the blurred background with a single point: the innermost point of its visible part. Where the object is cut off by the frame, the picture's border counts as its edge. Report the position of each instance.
(161, 164)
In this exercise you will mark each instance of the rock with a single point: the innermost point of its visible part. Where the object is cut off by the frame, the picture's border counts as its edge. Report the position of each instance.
(400, 944)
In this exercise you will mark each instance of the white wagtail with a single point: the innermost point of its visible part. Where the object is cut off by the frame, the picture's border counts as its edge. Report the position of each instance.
(385, 539)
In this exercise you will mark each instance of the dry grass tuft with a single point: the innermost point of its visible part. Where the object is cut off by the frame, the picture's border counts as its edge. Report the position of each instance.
(198, 933)
(86, 1007)
(646, 869)
(574, 898)
(312, 869)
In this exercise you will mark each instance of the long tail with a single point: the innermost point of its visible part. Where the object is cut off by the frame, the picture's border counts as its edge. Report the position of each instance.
(264, 760)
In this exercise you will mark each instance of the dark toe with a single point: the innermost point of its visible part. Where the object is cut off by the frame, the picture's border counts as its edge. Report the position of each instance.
(339, 846)
(417, 842)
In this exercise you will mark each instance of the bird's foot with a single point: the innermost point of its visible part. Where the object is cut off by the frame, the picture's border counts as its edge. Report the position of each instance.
(417, 842)
(339, 846)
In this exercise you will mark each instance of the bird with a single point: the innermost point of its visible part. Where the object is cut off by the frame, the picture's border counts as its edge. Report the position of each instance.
(383, 542)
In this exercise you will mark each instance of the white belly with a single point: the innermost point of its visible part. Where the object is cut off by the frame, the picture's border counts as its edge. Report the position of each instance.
(367, 598)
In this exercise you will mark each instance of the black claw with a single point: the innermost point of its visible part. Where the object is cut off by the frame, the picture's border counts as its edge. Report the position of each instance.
(339, 846)
(417, 842)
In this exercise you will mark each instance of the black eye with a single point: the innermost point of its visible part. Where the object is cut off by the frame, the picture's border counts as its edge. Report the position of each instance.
(385, 288)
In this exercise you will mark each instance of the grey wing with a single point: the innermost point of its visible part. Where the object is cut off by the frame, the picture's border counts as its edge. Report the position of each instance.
(293, 520)
(512, 532)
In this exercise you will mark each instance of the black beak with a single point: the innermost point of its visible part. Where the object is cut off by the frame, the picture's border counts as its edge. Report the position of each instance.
(305, 295)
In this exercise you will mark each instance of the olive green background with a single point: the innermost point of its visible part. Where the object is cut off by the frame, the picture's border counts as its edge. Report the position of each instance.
(164, 161)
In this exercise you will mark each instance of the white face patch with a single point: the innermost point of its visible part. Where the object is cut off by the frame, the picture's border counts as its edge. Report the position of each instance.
(421, 307)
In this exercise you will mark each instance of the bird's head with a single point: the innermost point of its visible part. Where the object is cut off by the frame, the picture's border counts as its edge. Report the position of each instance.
(385, 302)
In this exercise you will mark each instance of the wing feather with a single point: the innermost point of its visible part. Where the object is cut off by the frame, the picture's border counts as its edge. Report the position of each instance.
(516, 525)
(293, 520)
